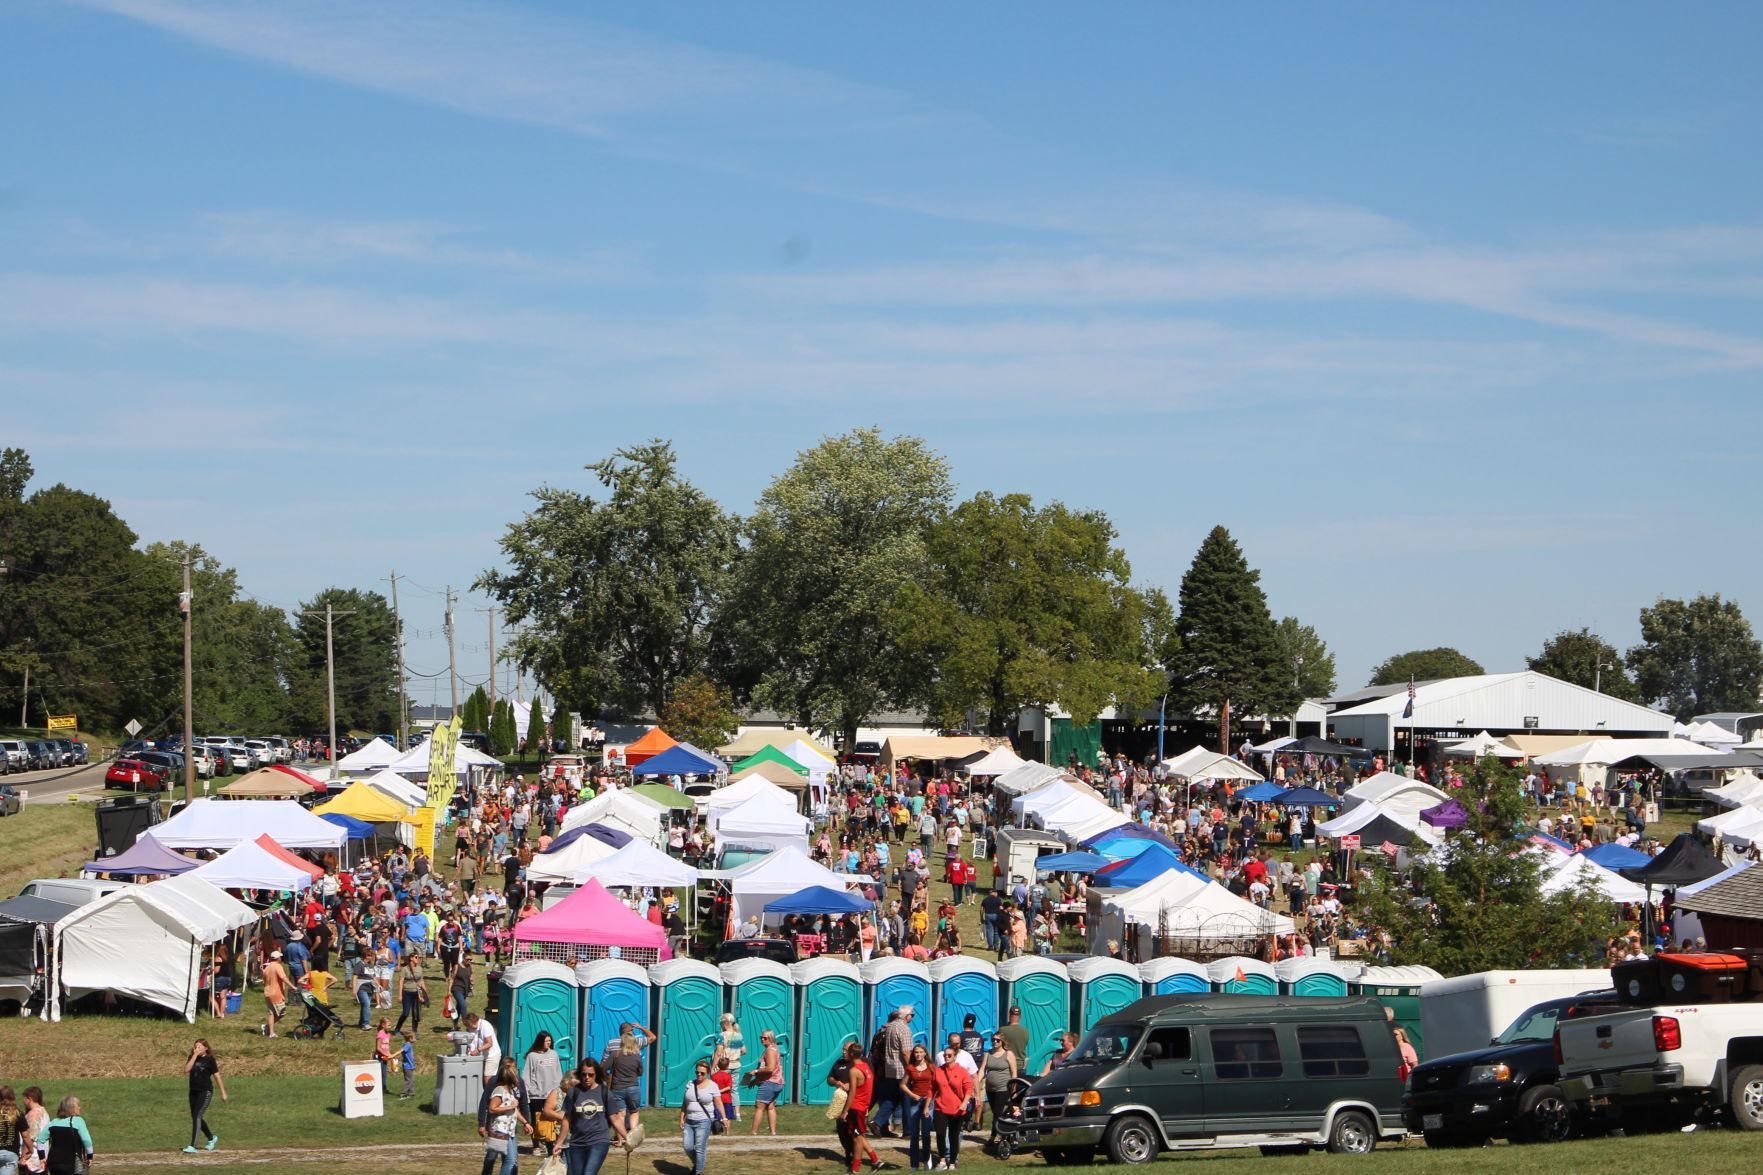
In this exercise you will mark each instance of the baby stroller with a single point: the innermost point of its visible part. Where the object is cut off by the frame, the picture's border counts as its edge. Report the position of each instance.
(319, 1019)
(1006, 1143)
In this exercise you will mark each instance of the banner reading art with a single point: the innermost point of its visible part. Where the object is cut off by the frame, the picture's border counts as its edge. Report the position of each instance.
(440, 782)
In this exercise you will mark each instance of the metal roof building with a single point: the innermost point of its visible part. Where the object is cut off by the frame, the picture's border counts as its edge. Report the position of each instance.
(1455, 708)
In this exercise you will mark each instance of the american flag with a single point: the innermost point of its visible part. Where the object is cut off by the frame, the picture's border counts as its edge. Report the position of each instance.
(1408, 710)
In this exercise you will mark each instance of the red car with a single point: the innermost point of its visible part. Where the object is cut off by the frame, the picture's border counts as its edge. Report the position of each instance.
(134, 775)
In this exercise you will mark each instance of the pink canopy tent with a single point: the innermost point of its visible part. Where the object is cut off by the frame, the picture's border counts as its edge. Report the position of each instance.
(589, 924)
(267, 842)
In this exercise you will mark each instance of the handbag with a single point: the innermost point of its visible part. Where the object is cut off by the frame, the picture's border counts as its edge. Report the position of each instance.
(553, 1166)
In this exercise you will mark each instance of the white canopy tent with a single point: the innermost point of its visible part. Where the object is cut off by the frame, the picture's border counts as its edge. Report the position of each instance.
(1564, 874)
(819, 766)
(1200, 763)
(1396, 794)
(1271, 746)
(1042, 799)
(760, 823)
(1710, 735)
(637, 865)
(1026, 778)
(1744, 789)
(1745, 833)
(1481, 745)
(777, 875)
(1178, 904)
(575, 860)
(1070, 813)
(145, 942)
(415, 761)
(248, 865)
(1601, 752)
(1721, 825)
(377, 753)
(221, 824)
(996, 762)
(739, 792)
(620, 808)
(411, 795)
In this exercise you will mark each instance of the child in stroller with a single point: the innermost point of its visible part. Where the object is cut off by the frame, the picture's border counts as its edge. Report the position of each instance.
(318, 1020)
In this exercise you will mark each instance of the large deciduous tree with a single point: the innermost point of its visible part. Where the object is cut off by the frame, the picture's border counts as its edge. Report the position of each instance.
(1311, 663)
(1697, 657)
(1425, 665)
(1029, 607)
(364, 644)
(831, 544)
(701, 713)
(1229, 654)
(1586, 659)
(1484, 909)
(616, 594)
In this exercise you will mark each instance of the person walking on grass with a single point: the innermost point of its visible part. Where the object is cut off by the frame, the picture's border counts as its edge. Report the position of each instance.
(275, 992)
(771, 1082)
(67, 1140)
(592, 1127)
(12, 1131)
(203, 1070)
(700, 1106)
(413, 993)
(504, 1116)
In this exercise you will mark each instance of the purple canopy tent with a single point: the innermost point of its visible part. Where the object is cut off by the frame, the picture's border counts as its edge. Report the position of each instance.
(1447, 816)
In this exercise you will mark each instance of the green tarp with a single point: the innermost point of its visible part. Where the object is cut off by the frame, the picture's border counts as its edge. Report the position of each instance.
(1084, 741)
(768, 755)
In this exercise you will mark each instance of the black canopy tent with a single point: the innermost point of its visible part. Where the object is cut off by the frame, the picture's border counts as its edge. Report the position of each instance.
(25, 924)
(1684, 861)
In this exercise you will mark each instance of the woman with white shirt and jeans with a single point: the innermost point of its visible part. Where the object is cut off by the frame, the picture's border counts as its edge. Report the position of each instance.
(701, 1105)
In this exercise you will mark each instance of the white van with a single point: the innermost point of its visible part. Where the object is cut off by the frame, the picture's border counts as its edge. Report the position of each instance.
(72, 891)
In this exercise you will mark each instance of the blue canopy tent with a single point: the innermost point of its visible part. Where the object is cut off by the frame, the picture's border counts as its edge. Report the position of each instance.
(820, 899)
(1080, 861)
(616, 837)
(357, 829)
(1306, 797)
(1260, 792)
(680, 759)
(1615, 856)
(145, 858)
(1127, 832)
(1148, 865)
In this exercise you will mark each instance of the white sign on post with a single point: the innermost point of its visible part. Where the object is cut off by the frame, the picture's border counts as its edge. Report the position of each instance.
(133, 728)
(363, 1095)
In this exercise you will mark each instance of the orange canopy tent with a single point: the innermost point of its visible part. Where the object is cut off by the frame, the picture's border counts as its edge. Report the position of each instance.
(647, 747)
(268, 845)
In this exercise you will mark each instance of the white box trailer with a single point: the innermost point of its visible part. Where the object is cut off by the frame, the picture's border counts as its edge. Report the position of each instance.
(1017, 851)
(1466, 1011)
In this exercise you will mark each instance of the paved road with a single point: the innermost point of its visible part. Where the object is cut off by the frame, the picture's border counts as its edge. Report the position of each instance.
(55, 785)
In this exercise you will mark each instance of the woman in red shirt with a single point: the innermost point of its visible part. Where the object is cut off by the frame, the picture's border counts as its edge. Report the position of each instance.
(954, 1102)
(918, 1088)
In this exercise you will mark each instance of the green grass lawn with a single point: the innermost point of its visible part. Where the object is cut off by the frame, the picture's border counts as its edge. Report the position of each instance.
(45, 840)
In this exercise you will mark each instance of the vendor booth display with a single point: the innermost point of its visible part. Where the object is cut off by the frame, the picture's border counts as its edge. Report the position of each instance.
(780, 874)
(145, 942)
(590, 924)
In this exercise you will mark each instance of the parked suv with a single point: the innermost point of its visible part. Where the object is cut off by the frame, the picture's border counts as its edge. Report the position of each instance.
(1204, 1072)
(14, 752)
(1511, 1089)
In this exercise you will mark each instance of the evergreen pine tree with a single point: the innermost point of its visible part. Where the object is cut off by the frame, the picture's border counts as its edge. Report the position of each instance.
(535, 731)
(1229, 652)
(559, 723)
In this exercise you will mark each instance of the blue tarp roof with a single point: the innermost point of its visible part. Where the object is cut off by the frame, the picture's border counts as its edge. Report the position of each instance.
(819, 899)
(1077, 862)
(1134, 831)
(1148, 865)
(679, 759)
(1615, 856)
(1265, 790)
(1306, 797)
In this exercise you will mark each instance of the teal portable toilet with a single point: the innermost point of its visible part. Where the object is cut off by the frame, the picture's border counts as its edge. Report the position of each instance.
(1241, 975)
(538, 996)
(1040, 987)
(613, 992)
(1398, 989)
(829, 1015)
(891, 983)
(1100, 987)
(1311, 976)
(963, 986)
(686, 1020)
(761, 995)
(1172, 976)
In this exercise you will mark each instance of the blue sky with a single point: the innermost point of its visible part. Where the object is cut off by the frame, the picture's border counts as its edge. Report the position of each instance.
(1451, 315)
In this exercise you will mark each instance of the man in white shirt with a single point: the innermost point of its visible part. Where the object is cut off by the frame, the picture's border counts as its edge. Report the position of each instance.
(962, 1056)
(484, 1044)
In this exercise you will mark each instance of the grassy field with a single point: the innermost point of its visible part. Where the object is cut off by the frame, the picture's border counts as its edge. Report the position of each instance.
(45, 840)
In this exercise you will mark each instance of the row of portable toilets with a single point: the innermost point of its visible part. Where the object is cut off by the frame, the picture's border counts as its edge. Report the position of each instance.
(818, 1005)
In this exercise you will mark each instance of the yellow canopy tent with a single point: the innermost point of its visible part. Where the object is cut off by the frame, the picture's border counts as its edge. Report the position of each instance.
(369, 804)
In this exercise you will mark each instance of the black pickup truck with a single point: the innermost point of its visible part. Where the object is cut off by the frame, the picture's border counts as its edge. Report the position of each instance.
(1508, 1090)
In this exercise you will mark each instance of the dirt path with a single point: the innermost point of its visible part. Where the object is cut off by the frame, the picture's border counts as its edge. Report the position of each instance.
(359, 1157)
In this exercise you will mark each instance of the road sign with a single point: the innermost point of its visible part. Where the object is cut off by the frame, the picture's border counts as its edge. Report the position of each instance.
(1349, 842)
(63, 722)
(133, 728)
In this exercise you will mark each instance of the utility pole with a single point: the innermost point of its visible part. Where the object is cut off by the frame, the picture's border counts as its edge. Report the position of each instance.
(398, 637)
(25, 701)
(185, 604)
(492, 614)
(330, 674)
(452, 663)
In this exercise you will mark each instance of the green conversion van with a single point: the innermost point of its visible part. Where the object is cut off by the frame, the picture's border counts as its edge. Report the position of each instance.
(1202, 1071)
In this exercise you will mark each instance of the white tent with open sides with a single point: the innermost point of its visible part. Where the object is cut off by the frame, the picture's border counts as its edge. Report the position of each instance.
(1200, 763)
(372, 756)
(778, 875)
(761, 823)
(251, 866)
(996, 762)
(145, 942)
(1026, 778)
(620, 808)
(221, 824)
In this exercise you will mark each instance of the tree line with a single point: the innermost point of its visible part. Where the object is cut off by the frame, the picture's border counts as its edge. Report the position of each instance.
(94, 618)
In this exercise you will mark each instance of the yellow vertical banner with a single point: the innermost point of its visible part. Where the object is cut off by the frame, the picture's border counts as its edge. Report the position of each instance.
(425, 831)
(440, 782)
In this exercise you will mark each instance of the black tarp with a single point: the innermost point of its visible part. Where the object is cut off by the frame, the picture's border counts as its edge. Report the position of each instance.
(1684, 861)
(18, 955)
(35, 909)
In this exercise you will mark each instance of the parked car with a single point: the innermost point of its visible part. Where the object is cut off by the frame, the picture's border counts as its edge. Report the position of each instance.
(204, 759)
(17, 754)
(264, 750)
(134, 746)
(82, 754)
(10, 803)
(1207, 1072)
(135, 775)
(778, 950)
(167, 763)
(65, 756)
(284, 750)
(44, 755)
(1511, 1089)
(243, 754)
